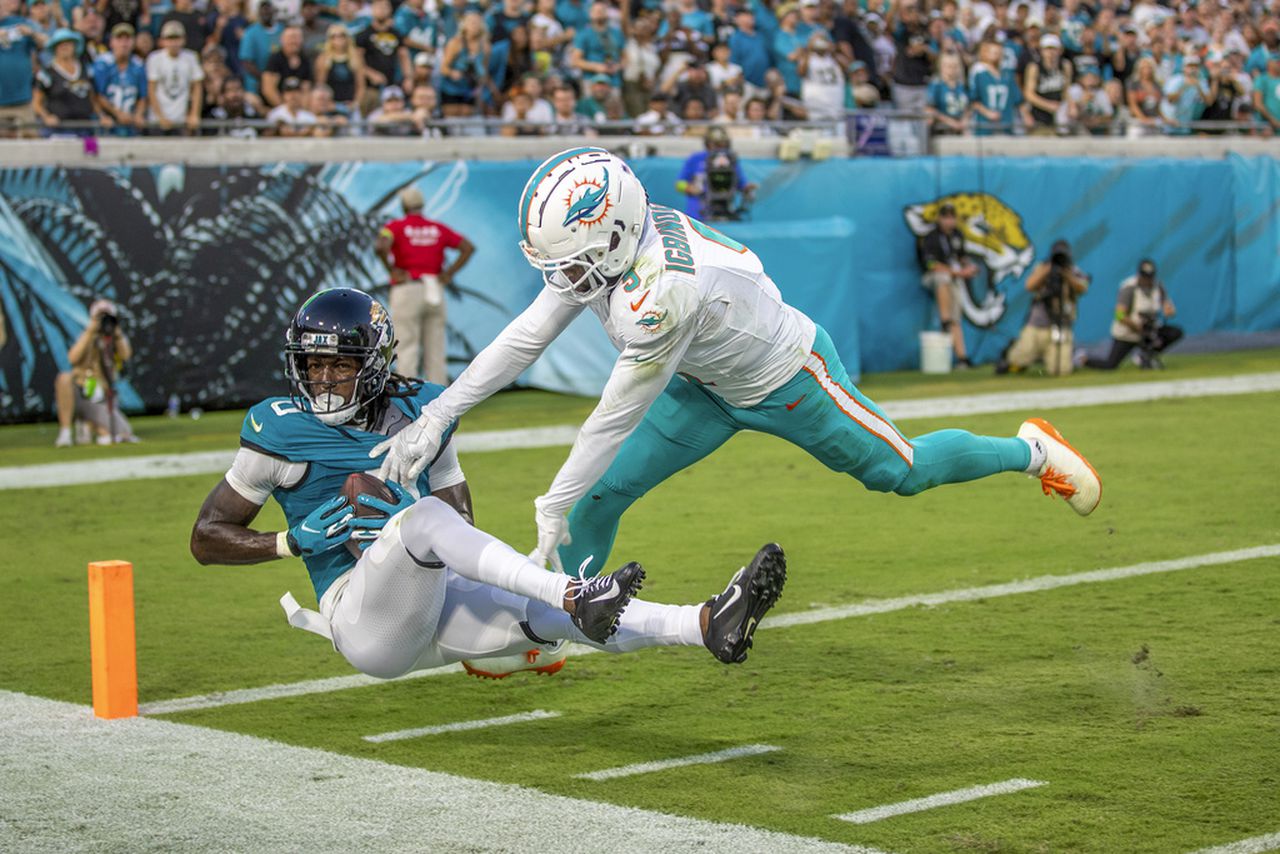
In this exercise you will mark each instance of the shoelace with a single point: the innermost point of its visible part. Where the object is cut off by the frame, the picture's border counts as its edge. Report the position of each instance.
(589, 587)
(1055, 481)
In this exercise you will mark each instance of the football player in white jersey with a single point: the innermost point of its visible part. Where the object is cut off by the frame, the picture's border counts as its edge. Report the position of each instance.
(708, 348)
(428, 588)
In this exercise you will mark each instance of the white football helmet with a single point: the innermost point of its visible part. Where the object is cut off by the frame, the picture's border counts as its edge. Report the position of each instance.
(581, 216)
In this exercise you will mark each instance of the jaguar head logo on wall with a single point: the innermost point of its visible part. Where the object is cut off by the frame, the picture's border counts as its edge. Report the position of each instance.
(993, 238)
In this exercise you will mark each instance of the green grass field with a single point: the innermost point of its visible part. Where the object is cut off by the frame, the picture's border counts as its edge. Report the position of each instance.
(1150, 705)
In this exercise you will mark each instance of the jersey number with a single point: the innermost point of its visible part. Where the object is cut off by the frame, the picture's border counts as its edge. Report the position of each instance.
(284, 407)
(708, 233)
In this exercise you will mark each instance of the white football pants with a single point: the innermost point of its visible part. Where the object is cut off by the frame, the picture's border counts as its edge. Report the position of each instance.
(426, 593)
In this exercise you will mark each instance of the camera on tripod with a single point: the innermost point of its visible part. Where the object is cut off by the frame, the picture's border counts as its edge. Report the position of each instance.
(720, 189)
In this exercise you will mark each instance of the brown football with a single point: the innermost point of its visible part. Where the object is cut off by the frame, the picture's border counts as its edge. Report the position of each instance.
(362, 483)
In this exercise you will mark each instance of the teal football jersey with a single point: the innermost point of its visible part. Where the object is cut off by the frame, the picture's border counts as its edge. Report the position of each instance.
(279, 428)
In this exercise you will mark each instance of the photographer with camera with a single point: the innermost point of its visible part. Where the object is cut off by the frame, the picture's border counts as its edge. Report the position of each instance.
(87, 391)
(713, 179)
(1142, 308)
(1055, 286)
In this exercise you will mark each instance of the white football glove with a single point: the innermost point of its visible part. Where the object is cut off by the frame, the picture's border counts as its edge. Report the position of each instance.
(553, 532)
(411, 450)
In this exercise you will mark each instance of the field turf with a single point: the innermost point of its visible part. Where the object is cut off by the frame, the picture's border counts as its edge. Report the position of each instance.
(1150, 706)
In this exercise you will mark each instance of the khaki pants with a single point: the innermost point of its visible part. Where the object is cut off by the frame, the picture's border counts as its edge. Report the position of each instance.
(12, 117)
(1036, 343)
(420, 328)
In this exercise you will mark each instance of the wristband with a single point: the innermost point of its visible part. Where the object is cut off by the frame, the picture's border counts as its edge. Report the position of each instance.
(283, 548)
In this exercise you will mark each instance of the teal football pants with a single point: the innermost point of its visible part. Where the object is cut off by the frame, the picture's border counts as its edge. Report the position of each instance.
(819, 409)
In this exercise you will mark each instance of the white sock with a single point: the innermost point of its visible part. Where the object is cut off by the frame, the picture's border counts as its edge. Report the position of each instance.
(643, 624)
(505, 568)
(1038, 455)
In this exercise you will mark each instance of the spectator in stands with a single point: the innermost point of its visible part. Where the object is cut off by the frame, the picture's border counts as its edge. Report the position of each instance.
(720, 71)
(597, 49)
(330, 121)
(1124, 57)
(1142, 308)
(994, 93)
(425, 104)
(393, 116)
(413, 249)
(694, 86)
(566, 121)
(465, 73)
(256, 45)
(1266, 95)
(236, 108)
(861, 93)
(44, 19)
(540, 111)
(1088, 106)
(592, 105)
(91, 27)
(340, 67)
(913, 63)
(549, 36)
(852, 44)
(516, 120)
(678, 46)
(192, 22)
(749, 50)
(822, 80)
(288, 61)
(658, 120)
(120, 81)
(351, 17)
(1045, 86)
(424, 70)
(64, 89)
(87, 391)
(1056, 286)
(757, 114)
(174, 78)
(1185, 96)
(1226, 90)
(947, 270)
(135, 13)
(227, 26)
(386, 59)
(143, 44)
(315, 27)
(1268, 45)
(1144, 96)
(948, 105)
(788, 45)
(416, 26)
(19, 43)
(289, 118)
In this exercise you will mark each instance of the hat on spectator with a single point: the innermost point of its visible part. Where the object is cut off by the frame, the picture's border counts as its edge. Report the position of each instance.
(1190, 59)
(1087, 65)
(122, 29)
(1034, 24)
(291, 84)
(391, 92)
(423, 59)
(1147, 267)
(856, 66)
(946, 209)
(786, 9)
(810, 2)
(1050, 40)
(602, 78)
(62, 34)
(873, 18)
(173, 30)
(103, 306)
(1129, 29)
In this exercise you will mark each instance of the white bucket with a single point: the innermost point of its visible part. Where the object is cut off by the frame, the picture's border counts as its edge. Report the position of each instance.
(935, 353)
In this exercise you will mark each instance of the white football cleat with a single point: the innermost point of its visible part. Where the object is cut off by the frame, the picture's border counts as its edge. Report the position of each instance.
(1065, 471)
(543, 661)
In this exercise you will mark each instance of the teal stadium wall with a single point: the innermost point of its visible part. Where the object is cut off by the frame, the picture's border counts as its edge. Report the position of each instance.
(208, 263)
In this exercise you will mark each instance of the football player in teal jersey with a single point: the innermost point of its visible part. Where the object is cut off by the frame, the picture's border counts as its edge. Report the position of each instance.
(428, 588)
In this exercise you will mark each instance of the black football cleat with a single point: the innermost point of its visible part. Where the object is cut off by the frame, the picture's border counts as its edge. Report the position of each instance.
(600, 601)
(734, 614)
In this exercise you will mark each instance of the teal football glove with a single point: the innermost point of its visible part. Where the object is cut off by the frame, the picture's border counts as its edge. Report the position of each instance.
(366, 529)
(325, 528)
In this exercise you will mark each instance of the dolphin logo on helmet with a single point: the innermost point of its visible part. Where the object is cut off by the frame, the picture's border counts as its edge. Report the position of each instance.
(584, 209)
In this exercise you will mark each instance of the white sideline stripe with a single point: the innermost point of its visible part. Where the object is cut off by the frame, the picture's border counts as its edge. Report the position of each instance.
(73, 783)
(959, 796)
(820, 615)
(216, 462)
(461, 726)
(680, 762)
(1252, 845)
(1030, 585)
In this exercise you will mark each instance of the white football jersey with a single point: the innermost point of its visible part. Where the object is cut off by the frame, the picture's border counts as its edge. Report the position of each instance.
(696, 303)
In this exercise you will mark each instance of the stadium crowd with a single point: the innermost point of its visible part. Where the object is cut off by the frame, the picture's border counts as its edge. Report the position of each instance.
(406, 67)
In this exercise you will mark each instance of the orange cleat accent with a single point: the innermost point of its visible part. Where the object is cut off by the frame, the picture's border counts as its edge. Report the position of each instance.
(539, 661)
(1066, 472)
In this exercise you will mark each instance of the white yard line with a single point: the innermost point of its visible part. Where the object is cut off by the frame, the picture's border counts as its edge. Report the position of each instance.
(462, 726)
(216, 462)
(73, 783)
(819, 615)
(1252, 845)
(679, 762)
(959, 796)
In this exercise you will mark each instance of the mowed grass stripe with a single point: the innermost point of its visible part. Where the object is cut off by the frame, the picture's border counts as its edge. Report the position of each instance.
(1252, 845)
(212, 462)
(678, 762)
(821, 615)
(942, 799)
(462, 726)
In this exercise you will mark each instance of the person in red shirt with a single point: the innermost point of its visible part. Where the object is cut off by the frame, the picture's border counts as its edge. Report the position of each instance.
(413, 248)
